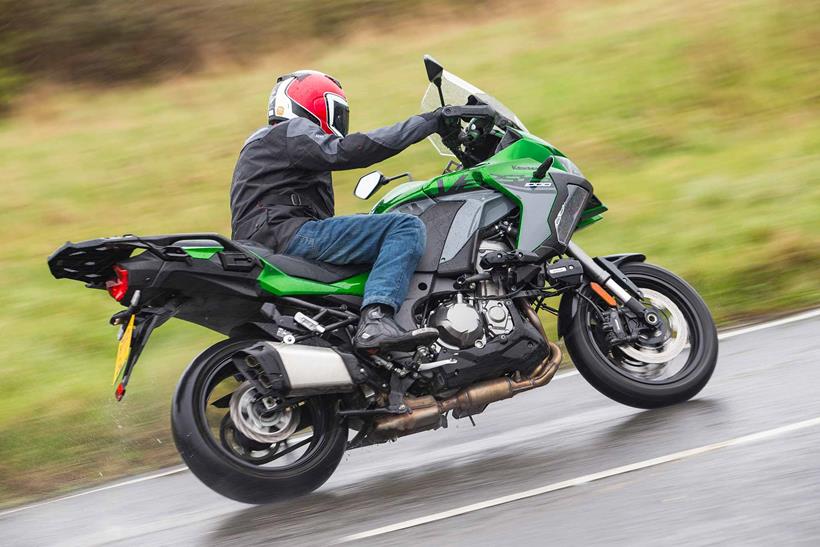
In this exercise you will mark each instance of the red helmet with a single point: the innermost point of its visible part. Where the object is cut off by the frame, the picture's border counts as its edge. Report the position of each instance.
(312, 95)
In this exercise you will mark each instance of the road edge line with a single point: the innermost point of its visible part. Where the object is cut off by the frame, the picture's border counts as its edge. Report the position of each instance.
(136, 480)
(739, 331)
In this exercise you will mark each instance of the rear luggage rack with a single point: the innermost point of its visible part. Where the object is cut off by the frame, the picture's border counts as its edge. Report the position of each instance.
(92, 261)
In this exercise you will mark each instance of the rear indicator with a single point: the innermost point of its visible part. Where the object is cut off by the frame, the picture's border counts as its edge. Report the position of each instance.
(119, 286)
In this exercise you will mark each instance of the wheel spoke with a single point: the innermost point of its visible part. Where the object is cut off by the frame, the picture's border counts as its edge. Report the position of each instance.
(291, 448)
(223, 402)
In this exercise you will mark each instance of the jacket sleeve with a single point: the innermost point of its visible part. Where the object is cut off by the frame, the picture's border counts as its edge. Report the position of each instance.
(311, 149)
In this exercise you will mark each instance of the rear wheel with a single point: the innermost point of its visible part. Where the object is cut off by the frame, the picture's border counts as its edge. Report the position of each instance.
(659, 368)
(247, 449)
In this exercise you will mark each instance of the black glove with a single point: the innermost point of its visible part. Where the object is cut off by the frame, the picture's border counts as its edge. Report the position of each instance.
(448, 126)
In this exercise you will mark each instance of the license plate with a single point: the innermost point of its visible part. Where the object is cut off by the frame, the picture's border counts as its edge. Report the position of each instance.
(124, 348)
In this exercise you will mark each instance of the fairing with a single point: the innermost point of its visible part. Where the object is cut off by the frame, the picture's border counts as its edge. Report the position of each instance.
(509, 173)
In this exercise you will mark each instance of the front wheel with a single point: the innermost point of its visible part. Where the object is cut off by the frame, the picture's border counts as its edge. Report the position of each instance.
(657, 369)
(246, 448)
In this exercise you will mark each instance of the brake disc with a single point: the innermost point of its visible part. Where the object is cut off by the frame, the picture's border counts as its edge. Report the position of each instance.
(678, 338)
(278, 426)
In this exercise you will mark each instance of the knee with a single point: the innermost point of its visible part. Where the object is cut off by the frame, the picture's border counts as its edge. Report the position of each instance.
(413, 223)
(415, 229)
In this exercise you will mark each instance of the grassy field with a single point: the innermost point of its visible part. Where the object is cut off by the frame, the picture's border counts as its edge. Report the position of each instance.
(697, 122)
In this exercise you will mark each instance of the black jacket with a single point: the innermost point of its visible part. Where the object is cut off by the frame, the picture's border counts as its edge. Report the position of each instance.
(282, 178)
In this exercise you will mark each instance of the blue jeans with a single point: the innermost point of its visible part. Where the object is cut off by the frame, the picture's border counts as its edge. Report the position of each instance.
(393, 243)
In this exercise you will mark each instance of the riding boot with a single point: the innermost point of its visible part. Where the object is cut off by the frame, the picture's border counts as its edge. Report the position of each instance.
(378, 330)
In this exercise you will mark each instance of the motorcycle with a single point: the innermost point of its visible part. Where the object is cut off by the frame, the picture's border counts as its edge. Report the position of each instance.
(268, 413)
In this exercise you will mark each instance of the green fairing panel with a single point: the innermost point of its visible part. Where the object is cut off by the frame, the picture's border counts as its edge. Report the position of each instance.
(583, 223)
(204, 253)
(510, 173)
(592, 214)
(529, 147)
(279, 283)
(409, 191)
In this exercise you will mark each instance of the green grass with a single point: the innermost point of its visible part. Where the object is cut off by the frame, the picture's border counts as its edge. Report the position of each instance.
(696, 122)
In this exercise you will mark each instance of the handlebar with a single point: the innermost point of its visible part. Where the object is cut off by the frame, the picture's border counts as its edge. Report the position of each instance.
(471, 111)
(484, 111)
(476, 129)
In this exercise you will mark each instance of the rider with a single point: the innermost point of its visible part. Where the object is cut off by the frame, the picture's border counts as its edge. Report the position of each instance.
(282, 197)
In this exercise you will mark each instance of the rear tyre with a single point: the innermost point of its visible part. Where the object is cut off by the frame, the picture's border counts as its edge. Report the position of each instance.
(222, 456)
(638, 374)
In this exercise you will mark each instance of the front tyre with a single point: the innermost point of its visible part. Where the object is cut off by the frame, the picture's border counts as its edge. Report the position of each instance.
(244, 450)
(647, 373)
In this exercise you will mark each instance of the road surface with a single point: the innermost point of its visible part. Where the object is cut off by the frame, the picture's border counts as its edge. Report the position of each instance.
(560, 465)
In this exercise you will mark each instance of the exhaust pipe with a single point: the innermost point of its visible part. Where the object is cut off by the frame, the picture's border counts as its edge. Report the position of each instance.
(293, 369)
(427, 413)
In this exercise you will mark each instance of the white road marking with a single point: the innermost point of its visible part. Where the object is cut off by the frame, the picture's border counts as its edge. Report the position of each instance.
(769, 324)
(584, 479)
(164, 473)
(568, 374)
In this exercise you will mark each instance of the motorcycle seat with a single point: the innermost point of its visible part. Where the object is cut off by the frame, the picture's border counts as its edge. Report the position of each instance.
(295, 266)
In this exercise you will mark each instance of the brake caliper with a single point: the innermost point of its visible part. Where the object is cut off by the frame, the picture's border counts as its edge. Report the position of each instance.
(625, 328)
(615, 330)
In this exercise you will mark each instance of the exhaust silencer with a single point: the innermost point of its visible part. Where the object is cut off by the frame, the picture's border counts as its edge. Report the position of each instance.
(293, 370)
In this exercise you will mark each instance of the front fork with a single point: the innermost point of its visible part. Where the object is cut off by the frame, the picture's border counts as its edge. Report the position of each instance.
(605, 279)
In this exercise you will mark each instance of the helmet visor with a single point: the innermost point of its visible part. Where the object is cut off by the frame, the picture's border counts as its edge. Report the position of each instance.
(338, 114)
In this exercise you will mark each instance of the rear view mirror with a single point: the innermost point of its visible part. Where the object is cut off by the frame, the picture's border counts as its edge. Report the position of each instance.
(368, 184)
(434, 70)
(434, 73)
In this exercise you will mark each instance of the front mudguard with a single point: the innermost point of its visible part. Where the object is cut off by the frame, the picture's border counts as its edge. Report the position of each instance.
(611, 263)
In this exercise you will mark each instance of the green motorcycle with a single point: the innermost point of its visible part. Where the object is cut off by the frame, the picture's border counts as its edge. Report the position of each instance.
(268, 412)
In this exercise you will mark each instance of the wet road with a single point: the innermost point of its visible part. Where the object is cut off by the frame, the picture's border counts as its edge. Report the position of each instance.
(740, 464)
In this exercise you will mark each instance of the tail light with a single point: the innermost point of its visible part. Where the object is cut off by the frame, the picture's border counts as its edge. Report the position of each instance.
(119, 286)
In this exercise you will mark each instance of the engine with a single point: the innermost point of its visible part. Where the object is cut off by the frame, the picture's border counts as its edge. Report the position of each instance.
(471, 320)
(459, 324)
(482, 335)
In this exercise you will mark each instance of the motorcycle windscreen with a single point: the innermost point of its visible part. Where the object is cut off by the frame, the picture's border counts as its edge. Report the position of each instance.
(457, 92)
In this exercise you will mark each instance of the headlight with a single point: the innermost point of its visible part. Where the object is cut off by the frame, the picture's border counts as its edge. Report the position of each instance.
(570, 212)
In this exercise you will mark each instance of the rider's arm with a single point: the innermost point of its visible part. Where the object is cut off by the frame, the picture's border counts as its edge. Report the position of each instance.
(310, 148)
